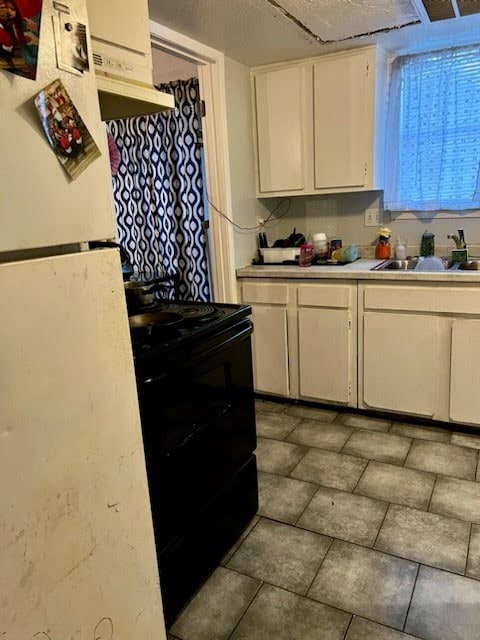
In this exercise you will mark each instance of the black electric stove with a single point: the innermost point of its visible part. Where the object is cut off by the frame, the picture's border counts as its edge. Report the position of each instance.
(200, 320)
(195, 388)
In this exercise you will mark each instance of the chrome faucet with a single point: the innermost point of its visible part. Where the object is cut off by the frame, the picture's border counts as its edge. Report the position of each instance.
(459, 240)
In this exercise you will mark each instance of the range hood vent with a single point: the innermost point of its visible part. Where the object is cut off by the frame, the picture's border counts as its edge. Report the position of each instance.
(121, 95)
(122, 56)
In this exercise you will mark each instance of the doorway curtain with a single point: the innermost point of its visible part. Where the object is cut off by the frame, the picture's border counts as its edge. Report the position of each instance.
(159, 193)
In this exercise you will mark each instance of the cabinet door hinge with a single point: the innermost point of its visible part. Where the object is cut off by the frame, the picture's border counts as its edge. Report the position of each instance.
(349, 324)
(203, 109)
(367, 70)
(365, 170)
(349, 389)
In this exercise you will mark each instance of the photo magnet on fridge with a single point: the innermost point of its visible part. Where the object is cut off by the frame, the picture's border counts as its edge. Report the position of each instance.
(70, 44)
(65, 130)
(19, 36)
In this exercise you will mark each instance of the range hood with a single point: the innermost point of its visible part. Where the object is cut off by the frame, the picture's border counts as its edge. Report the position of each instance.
(122, 57)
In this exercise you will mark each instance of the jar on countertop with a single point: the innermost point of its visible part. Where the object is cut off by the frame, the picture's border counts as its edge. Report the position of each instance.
(320, 245)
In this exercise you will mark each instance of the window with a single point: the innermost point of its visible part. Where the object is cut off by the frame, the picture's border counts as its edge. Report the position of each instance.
(433, 131)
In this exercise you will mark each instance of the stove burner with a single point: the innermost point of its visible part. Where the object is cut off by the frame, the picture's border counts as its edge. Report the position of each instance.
(192, 312)
(197, 312)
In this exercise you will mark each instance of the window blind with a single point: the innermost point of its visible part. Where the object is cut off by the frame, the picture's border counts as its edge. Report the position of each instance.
(433, 131)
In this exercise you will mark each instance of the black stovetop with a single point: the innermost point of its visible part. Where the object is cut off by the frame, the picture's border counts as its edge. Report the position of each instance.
(191, 331)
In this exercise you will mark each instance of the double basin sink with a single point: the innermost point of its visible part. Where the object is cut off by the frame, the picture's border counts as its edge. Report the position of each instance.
(410, 265)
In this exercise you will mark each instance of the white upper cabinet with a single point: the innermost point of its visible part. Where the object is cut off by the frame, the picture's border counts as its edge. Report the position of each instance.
(281, 110)
(320, 124)
(342, 124)
(122, 23)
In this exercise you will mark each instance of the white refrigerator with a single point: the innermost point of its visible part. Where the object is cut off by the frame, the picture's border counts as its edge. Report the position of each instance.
(77, 554)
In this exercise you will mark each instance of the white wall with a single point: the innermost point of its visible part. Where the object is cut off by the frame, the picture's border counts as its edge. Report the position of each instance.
(167, 68)
(245, 206)
(342, 216)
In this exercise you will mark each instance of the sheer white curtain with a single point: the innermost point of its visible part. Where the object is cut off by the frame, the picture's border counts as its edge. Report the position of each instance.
(433, 131)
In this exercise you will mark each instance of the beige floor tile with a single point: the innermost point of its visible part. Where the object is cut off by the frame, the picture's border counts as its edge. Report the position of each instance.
(275, 425)
(425, 537)
(272, 407)
(456, 498)
(325, 415)
(444, 607)
(378, 446)
(444, 459)
(242, 537)
(466, 440)
(281, 555)
(278, 457)
(344, 515)
(435, 434)
(217, 607)
(473, 564)
(330, 469)
(399, 485)
(282, 498)
(362, 629)
(324, 435)
(365, 582)
(276, 614)
(363, 422)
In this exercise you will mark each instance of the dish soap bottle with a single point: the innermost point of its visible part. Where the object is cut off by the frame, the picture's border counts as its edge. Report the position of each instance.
(401, 249)
(427, 246)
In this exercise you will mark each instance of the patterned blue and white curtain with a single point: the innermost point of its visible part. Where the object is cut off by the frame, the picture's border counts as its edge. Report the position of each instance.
(158, 191)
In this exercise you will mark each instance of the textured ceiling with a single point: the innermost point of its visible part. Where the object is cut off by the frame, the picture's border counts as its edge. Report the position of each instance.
(334, 20)
(262, 31)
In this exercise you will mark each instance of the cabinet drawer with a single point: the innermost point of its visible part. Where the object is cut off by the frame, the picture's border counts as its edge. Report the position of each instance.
(426, 299)
(267, 293)
(338, 296)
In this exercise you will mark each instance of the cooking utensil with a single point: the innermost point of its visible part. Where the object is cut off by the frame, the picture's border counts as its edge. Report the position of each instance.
(295, 239)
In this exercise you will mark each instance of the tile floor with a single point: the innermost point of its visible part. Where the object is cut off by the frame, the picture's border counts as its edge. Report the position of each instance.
(366, 530)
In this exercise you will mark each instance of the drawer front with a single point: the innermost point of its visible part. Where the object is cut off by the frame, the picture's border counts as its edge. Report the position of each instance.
(432, 299)
(253, 292)
(317, 295)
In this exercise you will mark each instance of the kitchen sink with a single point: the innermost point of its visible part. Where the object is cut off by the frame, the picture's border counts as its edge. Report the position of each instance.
(473, 264)
(411, 263)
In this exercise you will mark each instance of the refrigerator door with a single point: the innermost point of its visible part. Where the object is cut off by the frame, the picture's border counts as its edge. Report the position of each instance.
(77, 547)
(40, 206)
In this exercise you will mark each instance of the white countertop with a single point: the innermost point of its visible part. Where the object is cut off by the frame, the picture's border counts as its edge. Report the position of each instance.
(359, 270)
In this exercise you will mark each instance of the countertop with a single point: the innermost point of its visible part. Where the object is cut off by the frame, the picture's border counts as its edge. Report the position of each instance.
(359, 270)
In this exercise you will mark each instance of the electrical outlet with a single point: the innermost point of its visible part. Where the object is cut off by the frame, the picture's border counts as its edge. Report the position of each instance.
(372, 218)
(260, 221)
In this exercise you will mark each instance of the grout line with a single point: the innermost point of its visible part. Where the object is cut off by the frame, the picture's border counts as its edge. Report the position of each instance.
(411, 597)
(380, 527)
(358, 482)
(306, 507)
(408, 453)
(468, 550)
(247, 607)
(431, 495)
(348, 628)
(332, 540)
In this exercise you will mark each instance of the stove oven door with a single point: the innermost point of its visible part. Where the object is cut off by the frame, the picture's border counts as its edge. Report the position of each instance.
(198, 420)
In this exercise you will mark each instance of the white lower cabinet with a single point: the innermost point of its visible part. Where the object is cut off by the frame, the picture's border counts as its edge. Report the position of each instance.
(416, 355)
(304, 340)
(464, 378)
(269, 350)
(410, 349)
(400, 357)
(324, 346)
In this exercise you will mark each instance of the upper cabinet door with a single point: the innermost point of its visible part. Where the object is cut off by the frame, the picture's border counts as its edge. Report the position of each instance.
(281, 101)
(121, 22)
(343, 121)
